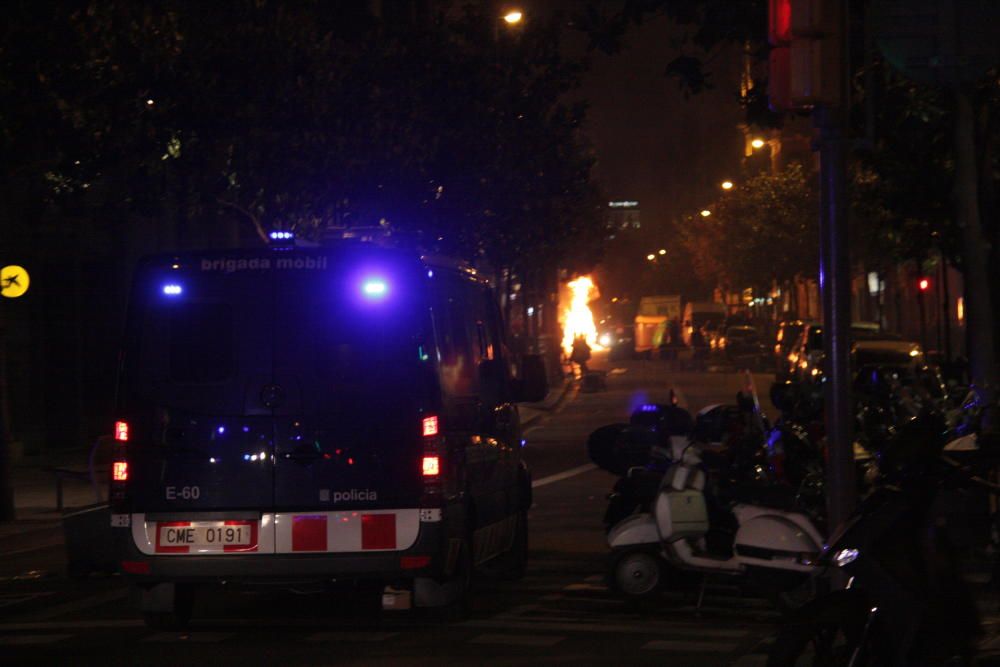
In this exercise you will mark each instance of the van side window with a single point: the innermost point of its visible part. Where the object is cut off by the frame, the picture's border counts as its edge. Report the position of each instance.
(488, 327)
(458, 359)
(201, 343)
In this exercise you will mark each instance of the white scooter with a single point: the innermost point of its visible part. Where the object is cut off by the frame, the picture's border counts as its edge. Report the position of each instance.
(777, 546)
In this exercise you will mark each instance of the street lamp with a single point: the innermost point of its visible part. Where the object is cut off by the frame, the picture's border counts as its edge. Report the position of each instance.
(727, 185)
(513, 17)
(757, 143)
(651, 257)
(705, 213)
(663, 251)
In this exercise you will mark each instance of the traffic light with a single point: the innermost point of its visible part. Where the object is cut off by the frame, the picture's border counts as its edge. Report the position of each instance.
(805, 64)
(924, 284)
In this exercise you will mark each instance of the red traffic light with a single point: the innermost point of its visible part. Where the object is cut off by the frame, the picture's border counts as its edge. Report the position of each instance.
(924, 284)
(779, 14)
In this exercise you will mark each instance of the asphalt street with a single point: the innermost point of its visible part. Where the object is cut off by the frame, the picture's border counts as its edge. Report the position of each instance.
(560, 613)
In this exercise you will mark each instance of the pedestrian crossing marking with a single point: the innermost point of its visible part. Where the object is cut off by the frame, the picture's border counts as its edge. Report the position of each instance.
(32, 640)
(517, 640)
(192, 637)
(585, 587)
(351, 636)
(684, 646)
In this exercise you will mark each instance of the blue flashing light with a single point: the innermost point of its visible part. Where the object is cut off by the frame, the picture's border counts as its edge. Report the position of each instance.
(649, 408)
(430, 273)
(172, 289)
(221, 430)
(374, 288)
(281, 236)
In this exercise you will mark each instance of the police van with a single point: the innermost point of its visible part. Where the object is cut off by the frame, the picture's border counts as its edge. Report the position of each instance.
(331, 414)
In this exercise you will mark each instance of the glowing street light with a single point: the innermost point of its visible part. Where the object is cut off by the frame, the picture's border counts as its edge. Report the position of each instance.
(663, 251)
(705, 213)
(651, 257)
(727, 185)
(513, 17)
(757, 143)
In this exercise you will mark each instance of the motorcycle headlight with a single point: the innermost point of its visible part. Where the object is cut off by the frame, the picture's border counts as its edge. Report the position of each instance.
(845, 557)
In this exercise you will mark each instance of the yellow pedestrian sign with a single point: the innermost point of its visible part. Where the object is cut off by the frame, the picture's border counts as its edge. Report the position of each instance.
(13, 281)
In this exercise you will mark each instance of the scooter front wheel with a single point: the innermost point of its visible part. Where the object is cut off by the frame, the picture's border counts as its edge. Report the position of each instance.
(636, 573)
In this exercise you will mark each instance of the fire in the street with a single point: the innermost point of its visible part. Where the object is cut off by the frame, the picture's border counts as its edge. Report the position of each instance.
(577, 319)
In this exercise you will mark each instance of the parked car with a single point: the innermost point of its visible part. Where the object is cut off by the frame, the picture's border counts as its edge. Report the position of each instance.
(806, 356)
(787, 335)
(704, 316)
(620, 341)
(741, 343)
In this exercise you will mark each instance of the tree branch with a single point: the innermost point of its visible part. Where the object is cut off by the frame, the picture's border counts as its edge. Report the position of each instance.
(250, 216)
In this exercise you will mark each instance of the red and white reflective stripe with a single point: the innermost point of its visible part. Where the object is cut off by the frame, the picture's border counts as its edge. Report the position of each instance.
(299, 532)
(340, 532)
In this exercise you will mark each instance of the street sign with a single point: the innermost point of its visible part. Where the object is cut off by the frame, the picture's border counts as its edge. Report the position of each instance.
(14, 281)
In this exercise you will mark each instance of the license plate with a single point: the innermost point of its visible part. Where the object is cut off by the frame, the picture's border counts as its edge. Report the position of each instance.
(198, 537)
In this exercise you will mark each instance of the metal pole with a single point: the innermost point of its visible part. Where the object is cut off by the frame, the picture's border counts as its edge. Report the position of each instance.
(946, 309)
(923, 318)
(835, 285)
(7, 511)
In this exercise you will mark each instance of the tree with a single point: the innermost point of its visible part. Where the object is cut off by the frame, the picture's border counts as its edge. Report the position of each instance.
(763, 231)
(136, 127)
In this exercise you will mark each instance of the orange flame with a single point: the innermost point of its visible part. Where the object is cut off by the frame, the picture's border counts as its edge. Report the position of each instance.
(578, 319)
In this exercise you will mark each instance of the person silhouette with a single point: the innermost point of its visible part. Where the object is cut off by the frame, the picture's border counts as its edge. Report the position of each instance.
(580, 354)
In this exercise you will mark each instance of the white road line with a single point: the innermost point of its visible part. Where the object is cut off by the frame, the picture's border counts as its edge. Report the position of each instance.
(108, 624)
(560, 476)
(351, 636)
(189, 637)
(517, 640)
(649, 628)
(681, 646)
(566, 625)
(32, 640)
(751, 660)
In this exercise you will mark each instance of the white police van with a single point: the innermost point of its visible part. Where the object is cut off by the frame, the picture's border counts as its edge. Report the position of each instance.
(333, 414)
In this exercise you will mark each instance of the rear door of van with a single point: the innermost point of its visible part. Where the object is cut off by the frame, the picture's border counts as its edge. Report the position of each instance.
(351, 357)
(197, 368)
(281, 397)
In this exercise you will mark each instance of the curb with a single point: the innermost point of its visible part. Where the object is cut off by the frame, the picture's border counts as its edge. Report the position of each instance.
(542, 411)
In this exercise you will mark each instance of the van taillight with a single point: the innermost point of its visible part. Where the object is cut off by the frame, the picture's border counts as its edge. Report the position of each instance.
(431, 466)
(121, 431)
(119, 471)
(432, 460)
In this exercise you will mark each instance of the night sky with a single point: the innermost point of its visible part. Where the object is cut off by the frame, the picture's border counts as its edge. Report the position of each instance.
(653, 144)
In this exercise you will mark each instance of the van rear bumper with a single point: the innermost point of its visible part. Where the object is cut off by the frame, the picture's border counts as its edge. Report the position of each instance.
(426, 557)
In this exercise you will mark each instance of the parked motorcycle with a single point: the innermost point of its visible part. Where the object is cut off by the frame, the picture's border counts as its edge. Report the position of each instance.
(640, 452)
(688, 528)
(905, 602)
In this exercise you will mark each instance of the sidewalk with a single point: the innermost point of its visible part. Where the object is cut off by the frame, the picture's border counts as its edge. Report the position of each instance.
(36, 478)
(532, 412)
